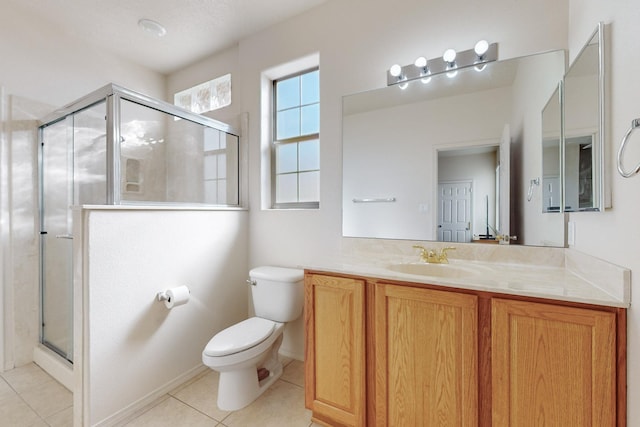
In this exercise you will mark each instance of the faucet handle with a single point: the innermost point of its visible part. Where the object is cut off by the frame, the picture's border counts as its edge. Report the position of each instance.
(443, 254)
(424, 253)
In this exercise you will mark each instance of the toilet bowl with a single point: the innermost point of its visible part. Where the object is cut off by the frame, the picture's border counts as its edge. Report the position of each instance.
(243, 350)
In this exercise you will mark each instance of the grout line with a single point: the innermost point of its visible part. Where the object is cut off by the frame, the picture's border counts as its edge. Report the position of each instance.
(198, 410)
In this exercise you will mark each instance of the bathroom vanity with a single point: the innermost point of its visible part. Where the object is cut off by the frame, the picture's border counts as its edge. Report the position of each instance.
(417, 344)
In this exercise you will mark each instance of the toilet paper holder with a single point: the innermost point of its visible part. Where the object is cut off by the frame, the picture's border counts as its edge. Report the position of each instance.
(174, 297)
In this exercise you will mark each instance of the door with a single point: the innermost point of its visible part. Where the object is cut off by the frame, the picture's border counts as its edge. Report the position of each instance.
(454, 211)
(552, 365)
(426, 354)
(56, 244)
(335, 349)
(72, 172)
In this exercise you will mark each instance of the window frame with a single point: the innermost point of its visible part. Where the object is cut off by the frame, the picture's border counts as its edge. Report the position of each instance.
(274, 142)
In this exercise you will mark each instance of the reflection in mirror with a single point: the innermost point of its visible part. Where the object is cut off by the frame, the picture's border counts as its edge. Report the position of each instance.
(394, 140)
(468, 178)
(583, 116)
(551, 154)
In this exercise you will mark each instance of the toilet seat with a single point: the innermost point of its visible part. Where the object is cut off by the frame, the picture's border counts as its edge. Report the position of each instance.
(239, 337)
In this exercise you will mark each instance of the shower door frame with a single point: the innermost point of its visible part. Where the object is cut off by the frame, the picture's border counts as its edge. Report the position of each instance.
(112, 95)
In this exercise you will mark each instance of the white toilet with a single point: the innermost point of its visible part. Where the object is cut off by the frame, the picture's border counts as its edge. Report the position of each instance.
(241, 350)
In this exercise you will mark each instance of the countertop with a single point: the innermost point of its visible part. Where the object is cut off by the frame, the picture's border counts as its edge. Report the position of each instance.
(608, 286)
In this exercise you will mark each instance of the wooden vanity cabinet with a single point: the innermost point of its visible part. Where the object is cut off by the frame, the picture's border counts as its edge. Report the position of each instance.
(552, 365)
(384, 353)
(335, 349)
(426, 347)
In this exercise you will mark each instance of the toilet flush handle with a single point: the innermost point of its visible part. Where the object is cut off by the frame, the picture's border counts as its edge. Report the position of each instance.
(251, 282)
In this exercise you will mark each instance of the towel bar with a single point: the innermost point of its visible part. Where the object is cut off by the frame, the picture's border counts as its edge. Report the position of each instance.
(375, 200)
(634, 124)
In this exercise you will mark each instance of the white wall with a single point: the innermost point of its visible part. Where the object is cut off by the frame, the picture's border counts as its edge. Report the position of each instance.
(42, 63)
(133, 347)
(614, 235)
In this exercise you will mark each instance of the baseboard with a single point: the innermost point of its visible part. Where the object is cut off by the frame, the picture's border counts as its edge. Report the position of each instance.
(291, 354)
(53, 364)
(141, 405)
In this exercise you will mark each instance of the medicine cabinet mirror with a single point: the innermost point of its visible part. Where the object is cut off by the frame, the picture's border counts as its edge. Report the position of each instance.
(401, 146)
(552, 153)
(584, 128)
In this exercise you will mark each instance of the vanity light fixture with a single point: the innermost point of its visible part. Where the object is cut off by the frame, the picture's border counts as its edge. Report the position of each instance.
(421, 64)
(450, 62)
(449, 56)
(481, 49)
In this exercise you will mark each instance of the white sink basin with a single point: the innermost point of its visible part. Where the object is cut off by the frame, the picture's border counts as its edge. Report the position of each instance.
(434, 270)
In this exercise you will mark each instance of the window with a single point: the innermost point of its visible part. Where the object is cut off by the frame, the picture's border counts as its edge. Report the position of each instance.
(207, 96)
(296, 141)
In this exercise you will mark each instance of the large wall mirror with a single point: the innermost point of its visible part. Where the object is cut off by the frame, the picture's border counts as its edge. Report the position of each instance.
(443, 159)
(583, 128)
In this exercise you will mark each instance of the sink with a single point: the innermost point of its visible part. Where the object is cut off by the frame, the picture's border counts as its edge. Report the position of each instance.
(434, 270)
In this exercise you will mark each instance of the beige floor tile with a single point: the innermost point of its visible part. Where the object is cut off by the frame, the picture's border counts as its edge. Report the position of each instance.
(282, 405)
(202, 394)
(15, 413)
(61, 419)
(48, 398)
(294, 373)
(5, 390)
(170, 413)
(25, 377)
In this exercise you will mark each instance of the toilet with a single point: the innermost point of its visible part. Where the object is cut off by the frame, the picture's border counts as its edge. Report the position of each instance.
(246, 354)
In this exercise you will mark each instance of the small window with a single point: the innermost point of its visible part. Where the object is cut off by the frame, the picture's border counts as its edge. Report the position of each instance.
(207, 96)
(296, 141)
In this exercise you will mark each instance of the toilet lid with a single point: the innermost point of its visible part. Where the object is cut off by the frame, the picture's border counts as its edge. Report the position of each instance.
(239, 337)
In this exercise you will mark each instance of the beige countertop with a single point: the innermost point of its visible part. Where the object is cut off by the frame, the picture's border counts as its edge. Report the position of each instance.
(577, 277)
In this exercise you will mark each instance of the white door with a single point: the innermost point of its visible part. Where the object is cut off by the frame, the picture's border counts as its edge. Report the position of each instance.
(454, 211)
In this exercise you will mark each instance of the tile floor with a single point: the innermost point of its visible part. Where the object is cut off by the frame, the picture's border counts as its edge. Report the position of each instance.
(30, 397)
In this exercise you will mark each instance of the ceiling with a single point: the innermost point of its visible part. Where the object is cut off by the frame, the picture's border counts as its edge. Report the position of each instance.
(195, 28)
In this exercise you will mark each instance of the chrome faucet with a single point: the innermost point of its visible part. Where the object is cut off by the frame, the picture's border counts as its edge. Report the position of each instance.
(432, 257)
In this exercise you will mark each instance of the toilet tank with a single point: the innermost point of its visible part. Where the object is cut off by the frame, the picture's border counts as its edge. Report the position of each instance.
(277, 292)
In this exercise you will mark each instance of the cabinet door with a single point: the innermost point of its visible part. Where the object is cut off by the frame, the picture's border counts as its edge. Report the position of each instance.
(552, 365)
(335, 349)
(426, 357)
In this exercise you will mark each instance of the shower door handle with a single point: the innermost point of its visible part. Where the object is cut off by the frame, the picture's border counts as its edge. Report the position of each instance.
(64, 236)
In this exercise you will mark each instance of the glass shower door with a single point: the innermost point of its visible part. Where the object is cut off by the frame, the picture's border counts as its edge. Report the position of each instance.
(56, 241)
(73, 172)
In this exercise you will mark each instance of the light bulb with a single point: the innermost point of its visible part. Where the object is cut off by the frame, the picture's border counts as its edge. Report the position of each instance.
(452, 74)
(403, 86)
(421, 62)
(449, 56)
(395, 70)
(425, 80)
(481, 48)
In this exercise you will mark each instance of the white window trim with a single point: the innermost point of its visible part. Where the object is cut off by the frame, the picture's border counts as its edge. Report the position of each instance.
(266, 123)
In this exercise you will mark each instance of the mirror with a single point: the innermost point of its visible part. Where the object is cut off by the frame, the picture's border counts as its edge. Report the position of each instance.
(552, 154)
(583, 128)
(400, 145)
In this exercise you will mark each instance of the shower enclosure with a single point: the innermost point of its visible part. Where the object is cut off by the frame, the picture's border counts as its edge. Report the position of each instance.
(118, 147)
